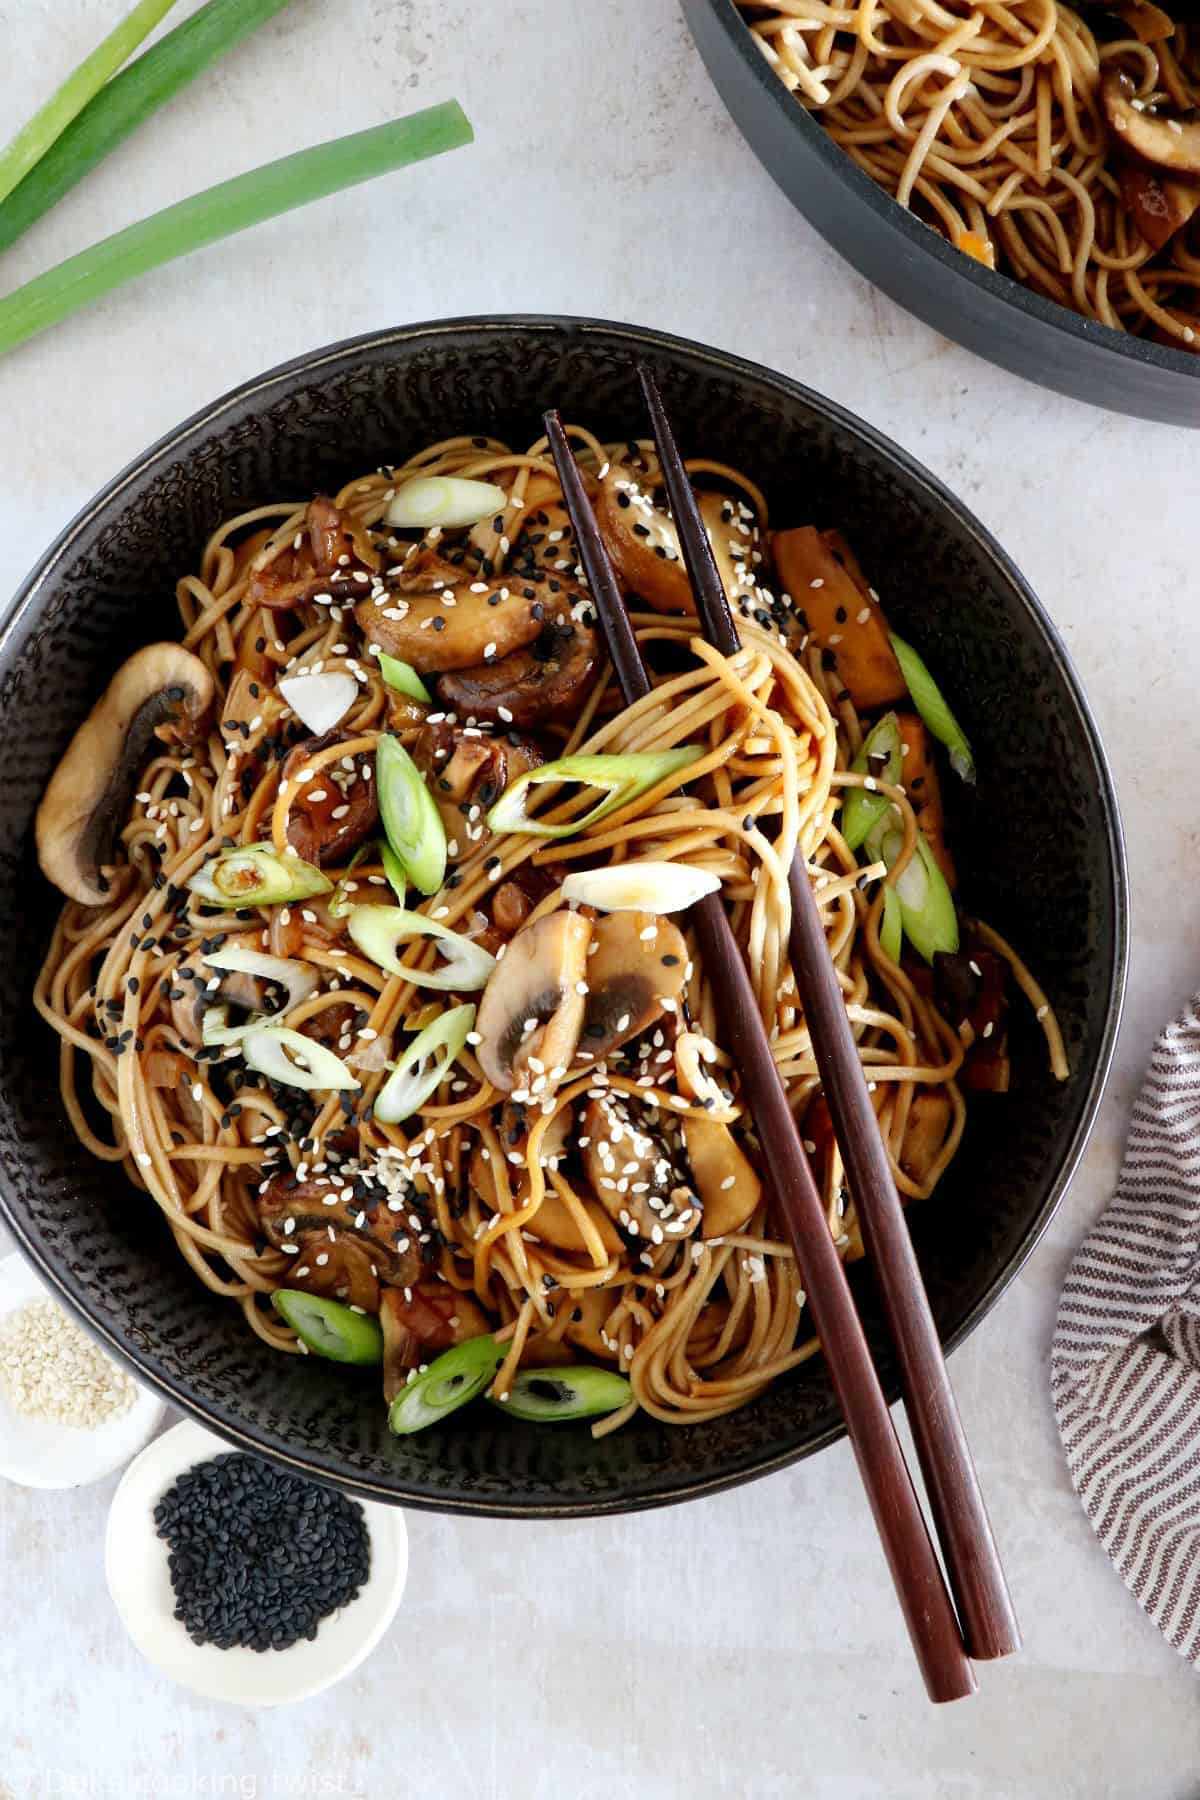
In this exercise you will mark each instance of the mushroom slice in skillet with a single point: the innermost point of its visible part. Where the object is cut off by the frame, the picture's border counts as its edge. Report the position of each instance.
(345, 1249)
(331, 814)
(636, 971)
(164, 691)
(421, 1318)
(632, 1173)
(532, 1009)
(1162, 139)
(547, 679)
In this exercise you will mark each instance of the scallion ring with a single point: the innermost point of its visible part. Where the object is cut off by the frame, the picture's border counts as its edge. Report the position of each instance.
(424, 1065)
(621, 778)
(378, 929)
(450, 1381)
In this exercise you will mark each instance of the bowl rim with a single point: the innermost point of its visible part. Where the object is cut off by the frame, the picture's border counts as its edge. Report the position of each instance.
(916, 235)
(175, 444)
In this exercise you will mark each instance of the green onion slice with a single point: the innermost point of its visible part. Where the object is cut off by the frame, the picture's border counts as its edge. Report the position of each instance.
(297, 979)
(394, 869)
(424, 1065)
(378, 929)
(861, 809)
(444, 500)
(404, 678)
(891, 925)
(414, 828)
(330, 1328)
(622, 779)
(341, 903)
(926, 903)
(449, 1382)
(252, 875)
(930, 702)
(295, 1060)
(215, 1027)
(577, 1391)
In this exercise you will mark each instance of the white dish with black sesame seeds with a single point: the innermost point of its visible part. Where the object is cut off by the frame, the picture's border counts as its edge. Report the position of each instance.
(139, 1581)
(88, 1441)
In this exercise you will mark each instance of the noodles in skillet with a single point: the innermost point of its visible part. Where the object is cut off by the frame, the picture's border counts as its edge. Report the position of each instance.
(1051, 143)
(326, 1000)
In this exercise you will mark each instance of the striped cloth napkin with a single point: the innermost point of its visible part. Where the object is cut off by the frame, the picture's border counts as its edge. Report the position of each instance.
(1125, 1363)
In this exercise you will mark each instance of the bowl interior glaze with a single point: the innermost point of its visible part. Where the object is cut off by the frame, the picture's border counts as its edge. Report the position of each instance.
(1038, 843)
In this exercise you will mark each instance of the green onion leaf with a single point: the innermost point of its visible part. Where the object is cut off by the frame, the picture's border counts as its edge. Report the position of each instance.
(220, 211)
(126, 102)
(378, 929)
(446, 500)
(252, 875)
(926, 903)
(930, 702)
(424, 1065)
(50, 120)
(404, 678)
(861, 809)
(891, 925)
(340, 904)
(412, 822)
(295, 1060)
(621, 778)
(577, 1391)
(449, 1382)
(330, 1328)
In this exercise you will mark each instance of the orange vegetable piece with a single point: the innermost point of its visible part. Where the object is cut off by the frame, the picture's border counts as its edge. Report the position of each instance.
(842, 617)
(919, 777)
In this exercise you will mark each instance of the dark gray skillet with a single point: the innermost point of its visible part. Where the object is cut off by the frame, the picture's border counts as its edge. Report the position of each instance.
(989, 313)
(1040, 849)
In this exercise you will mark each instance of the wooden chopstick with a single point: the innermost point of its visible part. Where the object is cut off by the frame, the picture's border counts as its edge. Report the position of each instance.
(972, 1561)
(901, 1525)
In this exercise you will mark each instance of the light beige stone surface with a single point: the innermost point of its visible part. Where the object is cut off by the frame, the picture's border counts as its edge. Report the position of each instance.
(747, 1645)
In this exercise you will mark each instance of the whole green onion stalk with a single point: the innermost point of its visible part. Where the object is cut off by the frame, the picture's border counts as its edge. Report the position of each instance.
(221, 211)
(50, 120)
(126, 102)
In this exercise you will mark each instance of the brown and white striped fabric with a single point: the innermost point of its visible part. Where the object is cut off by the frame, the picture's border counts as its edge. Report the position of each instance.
(1125, 1365)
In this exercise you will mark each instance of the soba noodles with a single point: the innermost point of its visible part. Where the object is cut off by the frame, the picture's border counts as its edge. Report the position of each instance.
(598, 1201)
(1051, 143)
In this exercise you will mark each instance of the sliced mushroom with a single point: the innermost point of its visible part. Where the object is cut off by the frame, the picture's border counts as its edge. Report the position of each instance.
(455, 625)
(635, 972)
(547, 679)
(632, 1174)
(553, 1222)
(725, 1179)
(332, 547)
(344, 1248)
(466, 772)
(1158, 138)
(1160, 207)
(332, 814)
(547, 542)
(419, 1320)
(925, 1129)
(532, 1011)
(644, 544)
(589, 1311)
(163, 690)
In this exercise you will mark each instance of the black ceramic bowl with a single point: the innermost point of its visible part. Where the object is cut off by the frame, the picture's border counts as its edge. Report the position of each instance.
(1040, 852)
(989, 313)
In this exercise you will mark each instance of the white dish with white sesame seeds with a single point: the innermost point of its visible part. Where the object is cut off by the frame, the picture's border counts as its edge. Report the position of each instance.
(135, 1566)
(42, 1453)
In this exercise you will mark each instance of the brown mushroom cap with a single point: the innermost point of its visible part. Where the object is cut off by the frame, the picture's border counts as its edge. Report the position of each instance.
(531, 1010)
(1160, 207)
(545, 680)
(369, 1243)
(632, 979)
(455, 625)
(632, 1173)
(314, 830)
(1154, 137)
(162, 687)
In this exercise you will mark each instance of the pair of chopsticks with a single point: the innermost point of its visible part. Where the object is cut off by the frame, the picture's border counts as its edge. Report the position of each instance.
(985, 1625)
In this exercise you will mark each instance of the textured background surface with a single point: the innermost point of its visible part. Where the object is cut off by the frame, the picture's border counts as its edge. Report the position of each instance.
(748, 1644)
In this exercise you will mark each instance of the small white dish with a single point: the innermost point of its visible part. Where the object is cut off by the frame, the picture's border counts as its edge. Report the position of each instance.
(38, 1453)
(135, 1565)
